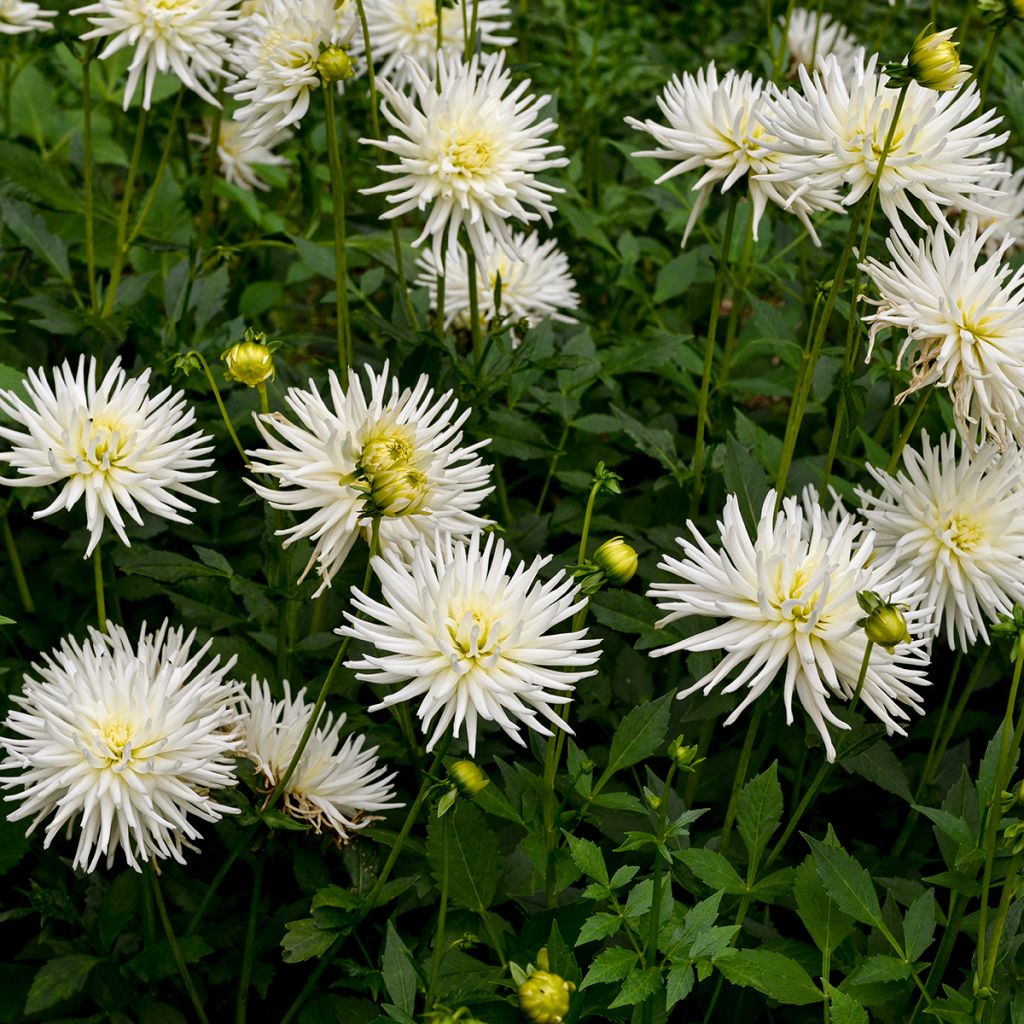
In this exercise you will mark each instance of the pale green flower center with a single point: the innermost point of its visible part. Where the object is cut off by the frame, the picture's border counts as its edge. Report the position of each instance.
(963, 532)
(474, 633)
(105, 443)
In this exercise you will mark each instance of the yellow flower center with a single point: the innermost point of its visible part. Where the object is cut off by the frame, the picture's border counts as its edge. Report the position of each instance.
(386, 448)
(426, 16)
(116, 736)
(105, 443)
(475, 634)
(963, 532)
(471, 154)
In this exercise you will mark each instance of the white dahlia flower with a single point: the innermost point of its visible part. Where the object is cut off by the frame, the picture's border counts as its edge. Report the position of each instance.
(339, 456)
(188, 38)
(471, 640)
(128, 738)
(18, 16)
(964, 317)
(957, 524)
(470, 150)
(1005, 214)
(810, 37)
(713, 125)
(336, 785)
(832, 131)
(240, 158)
(408, 28)
(788, 598)
(112, 444)
(534, 285)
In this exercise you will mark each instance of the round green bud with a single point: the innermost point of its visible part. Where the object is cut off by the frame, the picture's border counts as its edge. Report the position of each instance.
(249, 362)
(617, 560)
(544, 997)
(686, 758)
(468, 778)
(887, 627)
(934, 61)
(335, 65)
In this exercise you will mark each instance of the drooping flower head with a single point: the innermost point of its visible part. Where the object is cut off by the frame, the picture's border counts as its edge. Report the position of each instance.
(336, 456)
(535, 284)
(188, 38)
(336, 785)
(963, 313)
(469, 149)
(811, 37)
(19, 16)
(401, 29)
(111, 444)
(471, 640)
(713, 125)
(788, 600)
(956, 522)
(240, 157)
(122, 742)
(831, 133)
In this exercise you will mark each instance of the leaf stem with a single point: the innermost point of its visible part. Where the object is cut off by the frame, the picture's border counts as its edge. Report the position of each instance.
(101, 602)
(16, 568)
(439, 943)
(338, 210)
(249, 950)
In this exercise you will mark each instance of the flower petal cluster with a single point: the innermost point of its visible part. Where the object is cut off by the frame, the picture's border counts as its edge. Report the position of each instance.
(241, 157)
(956, 522)
(328, 459)
(189, 38)
(125, 739)
(535, 284)
(964, 317)
(812, 36)
(788, 600)
(112, 445)
(472, 641)
(831, 132)
(401, 29)
(336, 785)
(469, 148)
(18, 16)
(714, 125)
(1005, 209)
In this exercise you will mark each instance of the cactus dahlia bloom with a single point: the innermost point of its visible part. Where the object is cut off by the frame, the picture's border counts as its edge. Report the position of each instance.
(811, 37)
(18, 16)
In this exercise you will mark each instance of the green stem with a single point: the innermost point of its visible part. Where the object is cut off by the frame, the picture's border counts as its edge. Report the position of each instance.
(15, 559)
(439, 943)
(742, 767)
(101, 603)
(738, 293)
(474, 306)
(338, 210)
(250, 943)
(172, 941)
(220, 402)
(165, 155)
(780, 54)
(209, 214)
(120, 248)
(553, 465)
(987, 63)
(225, 867)
(87, 174)
(915, 418)
(1007, 894)
(721, 275)
(654, 924)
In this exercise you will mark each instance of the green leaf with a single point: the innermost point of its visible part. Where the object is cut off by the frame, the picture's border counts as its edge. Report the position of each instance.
(678, 985)
(165, 566)
(879, 969)
(600, 926)
(611, 965)
(878, 764)
(773, 974)
(713, 870)
(825, 922)
(639, 986)
(641, 733)
(473, 856)
(304, 940)
(587, 857)
(745, 478)
(58, 980)
(157, 961)
(847, 883)
(658, 444)
(759, 811)
(675, 277)
(919, 925)
(31, 230)
(398, 971)
(844, 1009)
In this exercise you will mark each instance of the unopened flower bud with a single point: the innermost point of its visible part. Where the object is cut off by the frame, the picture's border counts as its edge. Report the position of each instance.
(544, 997)
(250, 362)
(335, 65)
(934, 61)
(468, 778)
(686, 758)
(884, 624)
(400, 491)
(617, 560)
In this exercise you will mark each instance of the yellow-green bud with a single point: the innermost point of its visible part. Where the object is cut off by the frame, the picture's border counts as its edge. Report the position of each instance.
(887, 627)
(249, 362)
(544, 997)
(934, 61)
(400, 491)
(686, 758)
(617, 560)
(335, 65)
(468, 778)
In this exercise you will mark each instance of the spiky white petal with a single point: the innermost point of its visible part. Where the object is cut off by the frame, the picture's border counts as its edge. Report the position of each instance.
(964, 317)
(536, 284)
(240, 157)
(469, 150)
(475, 643)
(188, 38)
(325, 462)
(812, 36)
(336, 785)
(958, 524)
(18, 16)
(1006, 207)
(788, 598)
(113, 445)
(831, 132)
(124, 739)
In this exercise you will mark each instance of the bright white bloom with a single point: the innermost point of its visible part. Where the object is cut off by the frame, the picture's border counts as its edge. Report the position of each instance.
(17, 16)
(113, 444)
(832, 131)
(957, 524)
(470, 150)
(240, 157)
(188, 38)
(408, 28)
(474, 642)
(335, 786)
(130, 738)
(336, 453)
(713, 125)
(534, 285)
(276, 53)
(1006, 207)
(964, 317)
(789, 600)
(812, 37)
(831, 519)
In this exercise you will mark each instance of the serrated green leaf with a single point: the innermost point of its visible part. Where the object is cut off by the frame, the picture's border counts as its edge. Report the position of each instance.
(600, 926)
(31, 231)
(638, 987)
(713, 870)
(844, 1009)
(58, 980)
(398, 971)
(847, 883)
(610, 965)
(919, 925)
(473, 856)
(678, 984)
(303, 940)
(773, 974)
(641, 733)
(744, 478)
(759, 811)
(588, 858)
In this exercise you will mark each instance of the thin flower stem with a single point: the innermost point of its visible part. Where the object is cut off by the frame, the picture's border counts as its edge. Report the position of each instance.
(101, 601)
(937, 971)
(208, 217)
(780, 54)
(439, 945)
(908, 430)
(738, 293)
(120, 247)
(249, 951)
(338, 210)
(474, 306)
(14, 558)
(742, 767)
(551, 470)
(220, 402)
(721, 275)
(987, 63)
(87, 174)
(261, 390)
(225, 867)
(172, 941)
(1009, 889)
(165, 155)
(654, 923)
